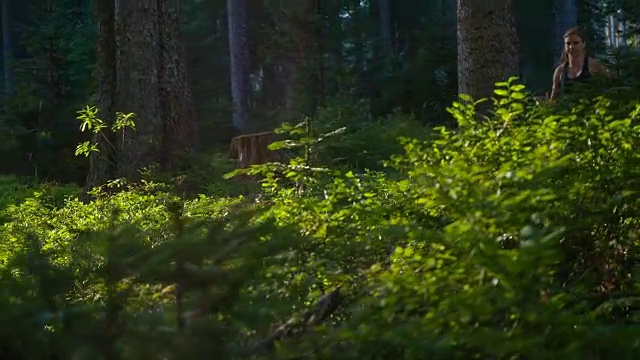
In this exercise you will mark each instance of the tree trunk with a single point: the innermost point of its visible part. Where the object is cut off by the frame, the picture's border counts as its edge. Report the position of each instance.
(100, 169)
(240, 64)
(137, 91)
(538, 39)
(386, 40)
(178, 109)
(7, 47)
(142, 70)
(487, 45)
(566, 16)
(289, 90)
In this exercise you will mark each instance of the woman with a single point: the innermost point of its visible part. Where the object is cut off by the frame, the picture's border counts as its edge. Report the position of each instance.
(575, 64)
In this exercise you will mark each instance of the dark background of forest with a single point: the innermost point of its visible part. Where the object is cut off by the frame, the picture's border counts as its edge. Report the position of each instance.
(376, 56)
(400, 220)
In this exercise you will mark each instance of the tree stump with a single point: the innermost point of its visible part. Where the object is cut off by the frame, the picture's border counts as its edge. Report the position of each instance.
(253, 149)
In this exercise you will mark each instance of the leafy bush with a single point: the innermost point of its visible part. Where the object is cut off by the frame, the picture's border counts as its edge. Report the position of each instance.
(513, 236)
(365, 143)
(14, 190)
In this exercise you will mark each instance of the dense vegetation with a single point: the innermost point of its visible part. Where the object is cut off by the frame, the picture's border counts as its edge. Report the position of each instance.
(509, 236)
(398, 224)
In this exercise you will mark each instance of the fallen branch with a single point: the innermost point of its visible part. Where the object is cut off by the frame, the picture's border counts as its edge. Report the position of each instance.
(325, 306)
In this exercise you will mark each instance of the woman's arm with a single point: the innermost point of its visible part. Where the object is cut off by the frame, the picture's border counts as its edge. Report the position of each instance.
(555, 85)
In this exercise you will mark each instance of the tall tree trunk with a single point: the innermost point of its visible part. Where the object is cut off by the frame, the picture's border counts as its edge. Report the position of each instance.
(487, 45)
(320, 69)
(566, 16)
(357, 33)
(273, 99)
(406, 18)
(289, 85)
(178, 109)
(142, 71)
(137, 91)
(101, 168)
(386, 40)
(537, 35)
(240, 63)
(7, 47)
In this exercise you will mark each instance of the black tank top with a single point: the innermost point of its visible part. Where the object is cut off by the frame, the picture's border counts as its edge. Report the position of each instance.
(584, 74)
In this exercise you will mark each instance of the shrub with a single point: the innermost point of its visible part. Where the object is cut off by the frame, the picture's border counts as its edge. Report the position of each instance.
(512, 236)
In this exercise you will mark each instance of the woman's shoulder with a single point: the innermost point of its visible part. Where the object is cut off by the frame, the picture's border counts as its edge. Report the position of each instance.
(561, 66)
(596, 66)
(559, 69)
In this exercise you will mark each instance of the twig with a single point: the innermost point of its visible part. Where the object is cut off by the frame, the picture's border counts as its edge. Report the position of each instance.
(325, 306)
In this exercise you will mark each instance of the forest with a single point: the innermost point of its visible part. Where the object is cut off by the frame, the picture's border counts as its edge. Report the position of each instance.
(320, 179)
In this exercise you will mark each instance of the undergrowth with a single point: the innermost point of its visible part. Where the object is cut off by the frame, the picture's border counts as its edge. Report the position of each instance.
(513, 236)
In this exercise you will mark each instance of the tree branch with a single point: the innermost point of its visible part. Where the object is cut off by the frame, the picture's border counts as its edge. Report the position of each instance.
(325, 306)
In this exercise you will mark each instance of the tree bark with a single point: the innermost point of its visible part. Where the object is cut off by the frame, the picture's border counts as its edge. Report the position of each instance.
(7, 47)
(253, 149)
(180, 126)
(137, 91)
(487, 45)
(240, 64)
(386, 41)
(142, 70)
(290, 88)
(566, 16)
(100, 168)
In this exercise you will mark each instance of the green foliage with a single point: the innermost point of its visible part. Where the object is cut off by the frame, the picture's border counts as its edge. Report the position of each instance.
(9, 146)
(13, 191)
(514, 235)
(301, 153)
(90, 122)
(364, 142)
